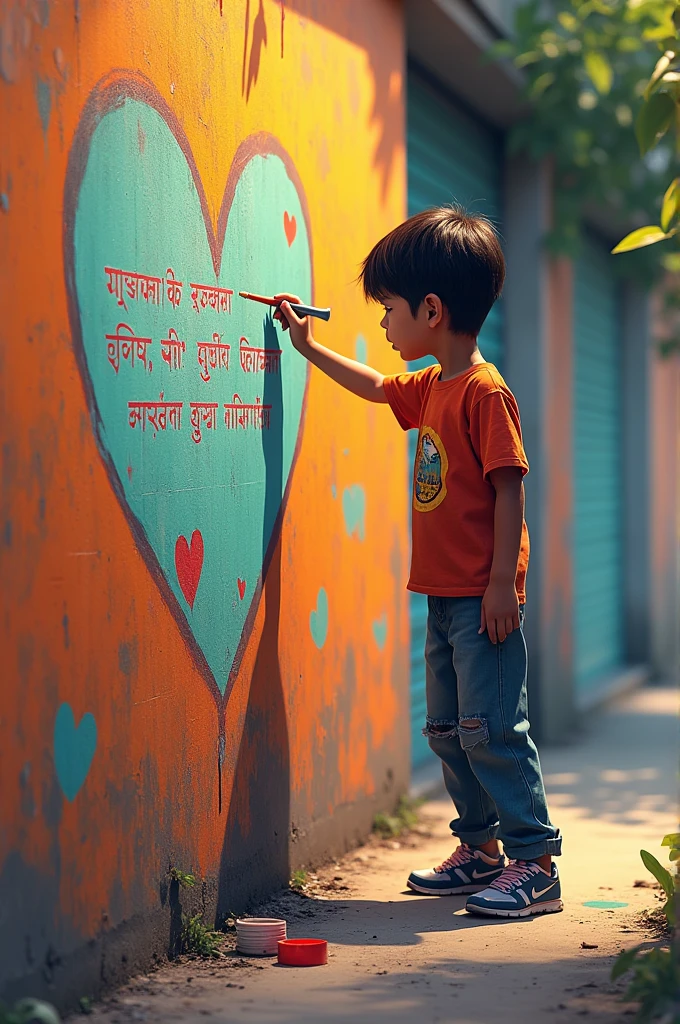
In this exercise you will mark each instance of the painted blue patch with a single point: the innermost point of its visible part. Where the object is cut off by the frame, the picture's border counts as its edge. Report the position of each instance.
(4, 202)
(604, 904)
(354, 510)
(44, 97)
(334, 491)
(74, 748)
(361, 349)
(318, 619)
(380, 630)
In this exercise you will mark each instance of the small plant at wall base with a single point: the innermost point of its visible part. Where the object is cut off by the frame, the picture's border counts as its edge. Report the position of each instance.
(197, 938)
(29, 1011)
(389, 826)
(655, 981)
(298, 880)
(185, 880)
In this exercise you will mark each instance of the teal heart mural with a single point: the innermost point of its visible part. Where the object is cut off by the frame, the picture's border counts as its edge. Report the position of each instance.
(74, 748)
(197, 402)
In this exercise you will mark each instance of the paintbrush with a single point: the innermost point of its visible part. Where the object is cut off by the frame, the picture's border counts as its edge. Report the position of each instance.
(298, 308)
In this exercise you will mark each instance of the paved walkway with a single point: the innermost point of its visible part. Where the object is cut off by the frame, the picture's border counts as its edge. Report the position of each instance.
(396, 957)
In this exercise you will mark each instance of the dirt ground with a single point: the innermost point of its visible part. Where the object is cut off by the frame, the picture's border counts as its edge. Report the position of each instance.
(398, 957)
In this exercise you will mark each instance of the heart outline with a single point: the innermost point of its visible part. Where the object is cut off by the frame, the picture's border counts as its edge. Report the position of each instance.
(110, 93)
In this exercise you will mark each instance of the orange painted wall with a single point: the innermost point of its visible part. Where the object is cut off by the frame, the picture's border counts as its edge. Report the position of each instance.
(309, 734)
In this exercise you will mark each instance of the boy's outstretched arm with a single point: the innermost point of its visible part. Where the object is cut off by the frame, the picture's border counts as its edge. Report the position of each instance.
(361, 380)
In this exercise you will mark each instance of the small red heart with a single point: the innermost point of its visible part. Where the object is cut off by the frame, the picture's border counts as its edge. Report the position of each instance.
(290, 227)
(241, 588)
(189, 564)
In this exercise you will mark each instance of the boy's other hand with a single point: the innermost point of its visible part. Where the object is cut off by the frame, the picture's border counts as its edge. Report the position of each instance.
(500, 611)
(300, 328)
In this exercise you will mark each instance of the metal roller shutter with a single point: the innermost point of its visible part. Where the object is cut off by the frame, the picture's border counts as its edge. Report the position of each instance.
(598, 486)
(452, 157)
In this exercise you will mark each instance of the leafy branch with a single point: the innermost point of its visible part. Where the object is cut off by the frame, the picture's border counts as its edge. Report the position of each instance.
(587, 66)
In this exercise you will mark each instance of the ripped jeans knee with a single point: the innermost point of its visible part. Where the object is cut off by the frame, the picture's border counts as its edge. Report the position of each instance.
(439, 729)
(470, 730)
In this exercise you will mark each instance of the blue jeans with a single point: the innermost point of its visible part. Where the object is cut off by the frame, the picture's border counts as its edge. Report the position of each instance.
(491, 771)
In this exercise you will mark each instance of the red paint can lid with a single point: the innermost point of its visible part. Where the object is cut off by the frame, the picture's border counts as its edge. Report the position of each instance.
(303, 952)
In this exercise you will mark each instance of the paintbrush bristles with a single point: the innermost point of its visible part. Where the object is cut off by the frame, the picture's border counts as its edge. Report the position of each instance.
(259, 298)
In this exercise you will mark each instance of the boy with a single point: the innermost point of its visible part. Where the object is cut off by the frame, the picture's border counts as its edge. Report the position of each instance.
(437, 276)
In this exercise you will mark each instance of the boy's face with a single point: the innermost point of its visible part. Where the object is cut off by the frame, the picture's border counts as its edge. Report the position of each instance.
(410, 336)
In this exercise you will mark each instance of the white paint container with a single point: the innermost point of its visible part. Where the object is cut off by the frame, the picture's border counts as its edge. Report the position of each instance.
(259, 936)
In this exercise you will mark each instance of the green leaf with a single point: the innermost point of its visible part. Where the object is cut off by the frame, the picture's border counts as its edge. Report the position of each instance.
(653, 120)
(568, 21)
(600, 71)
(671, 262)
(669, 211)
(639, 238)
(662, 66)
(542, 83)
(502, 48)
(673, 838)
(35, 1010)
(522, 60)
(662, 874)
(624, 962)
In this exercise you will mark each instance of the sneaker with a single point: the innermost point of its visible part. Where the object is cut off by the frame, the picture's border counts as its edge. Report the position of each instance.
(524, 888)
(466, 870)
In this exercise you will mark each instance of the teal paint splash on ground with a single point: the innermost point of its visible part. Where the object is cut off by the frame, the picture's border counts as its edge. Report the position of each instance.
(604, 904)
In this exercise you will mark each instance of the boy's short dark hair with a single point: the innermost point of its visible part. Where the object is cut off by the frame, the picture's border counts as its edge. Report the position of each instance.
(444, 250)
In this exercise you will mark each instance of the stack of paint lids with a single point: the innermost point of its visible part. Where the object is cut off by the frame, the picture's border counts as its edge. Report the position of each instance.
(259, 936)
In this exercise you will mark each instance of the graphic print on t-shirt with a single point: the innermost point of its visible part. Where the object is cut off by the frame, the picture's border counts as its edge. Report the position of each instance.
(429, 478)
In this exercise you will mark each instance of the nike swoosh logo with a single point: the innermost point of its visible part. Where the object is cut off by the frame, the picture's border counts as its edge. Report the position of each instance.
(535, 895)
(483, 874)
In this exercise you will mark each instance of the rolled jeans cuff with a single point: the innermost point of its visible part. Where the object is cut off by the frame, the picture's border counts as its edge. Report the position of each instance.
(484, 835)
(543, 848)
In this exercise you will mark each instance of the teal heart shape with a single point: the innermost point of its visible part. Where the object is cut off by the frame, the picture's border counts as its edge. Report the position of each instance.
(318, 619)
(74, 748)
(204, 487)
(354, 510)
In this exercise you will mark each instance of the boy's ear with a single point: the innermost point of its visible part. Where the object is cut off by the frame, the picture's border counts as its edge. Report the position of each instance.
(434, 309)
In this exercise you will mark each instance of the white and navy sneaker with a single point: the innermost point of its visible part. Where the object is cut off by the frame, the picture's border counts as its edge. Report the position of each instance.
(524, 888)
(466, 870)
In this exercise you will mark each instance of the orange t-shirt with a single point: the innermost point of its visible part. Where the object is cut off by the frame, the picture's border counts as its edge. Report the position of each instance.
(467, 426)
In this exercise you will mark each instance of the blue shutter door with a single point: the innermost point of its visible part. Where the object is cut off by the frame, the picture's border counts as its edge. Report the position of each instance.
(452, 157)
(598, 490)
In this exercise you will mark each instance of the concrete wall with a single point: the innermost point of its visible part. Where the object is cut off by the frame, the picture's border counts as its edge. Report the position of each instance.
(204, 627)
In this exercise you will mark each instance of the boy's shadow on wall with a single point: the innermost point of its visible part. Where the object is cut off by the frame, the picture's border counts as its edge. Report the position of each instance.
(255, 857)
